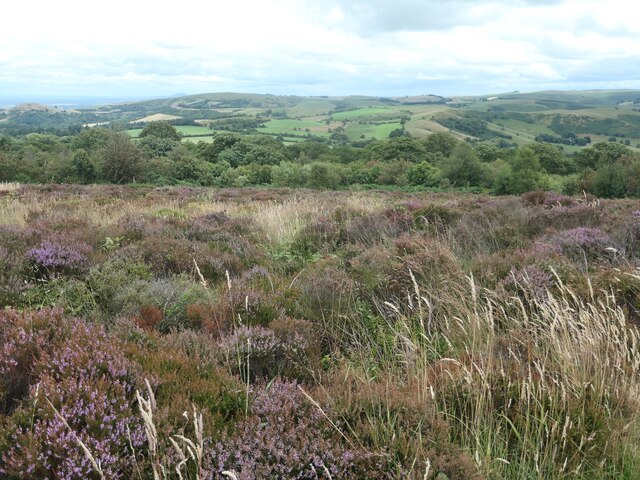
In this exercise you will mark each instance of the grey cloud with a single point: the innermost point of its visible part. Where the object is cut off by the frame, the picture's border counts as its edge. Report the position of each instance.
(383, 16)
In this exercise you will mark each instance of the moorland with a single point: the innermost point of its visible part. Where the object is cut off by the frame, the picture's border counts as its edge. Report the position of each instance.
(252, 287)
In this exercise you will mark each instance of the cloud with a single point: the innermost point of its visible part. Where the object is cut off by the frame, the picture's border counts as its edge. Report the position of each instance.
(307, 47)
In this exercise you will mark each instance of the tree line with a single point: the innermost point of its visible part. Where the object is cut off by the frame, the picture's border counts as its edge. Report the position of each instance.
(160, 157)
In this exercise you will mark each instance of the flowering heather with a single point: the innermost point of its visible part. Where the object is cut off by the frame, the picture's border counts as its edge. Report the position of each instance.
(47, 361)
(530, 280)
(266, 353)
(548, 199)
(581, 241)
(287, 437)
(58, 256)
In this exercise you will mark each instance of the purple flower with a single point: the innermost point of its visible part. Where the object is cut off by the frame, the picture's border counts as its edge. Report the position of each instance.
(56, 256)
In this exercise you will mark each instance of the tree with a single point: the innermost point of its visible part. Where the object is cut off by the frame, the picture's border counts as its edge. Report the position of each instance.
(398, 148)
(424, 174)
(121, 159)
(221, 142)
(90, 139)
(323, 175)
(522, 175)
(154, 146)
(394, 173)
(525, 171)
(603, 153)
(160, 130)
(464, 167)
(289, 174)
(552, 159)
(488, 151)
(441, 142)
(83, 167)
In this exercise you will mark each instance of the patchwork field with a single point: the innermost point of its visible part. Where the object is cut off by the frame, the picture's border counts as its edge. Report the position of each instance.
(517, 118)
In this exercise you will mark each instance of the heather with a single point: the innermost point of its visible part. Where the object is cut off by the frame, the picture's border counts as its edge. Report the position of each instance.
(185, 332)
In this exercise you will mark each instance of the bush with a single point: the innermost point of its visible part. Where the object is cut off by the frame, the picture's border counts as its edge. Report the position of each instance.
(59, 256)
(258, 353)
(287, 437)
(584, 243)
(72, 367)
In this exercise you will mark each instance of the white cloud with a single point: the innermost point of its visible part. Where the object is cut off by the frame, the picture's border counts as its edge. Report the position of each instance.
(385, 47)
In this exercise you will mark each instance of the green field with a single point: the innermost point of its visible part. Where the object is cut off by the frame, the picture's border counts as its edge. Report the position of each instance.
(361, 112)
(310, 107)
(380, 131)
(294, 127)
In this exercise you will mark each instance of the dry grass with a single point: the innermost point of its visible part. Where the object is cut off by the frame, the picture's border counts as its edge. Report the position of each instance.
(533, 389)
(9, 186)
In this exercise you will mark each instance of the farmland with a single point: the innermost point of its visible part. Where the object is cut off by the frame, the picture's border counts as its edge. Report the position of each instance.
(377, 335)
(518, 118)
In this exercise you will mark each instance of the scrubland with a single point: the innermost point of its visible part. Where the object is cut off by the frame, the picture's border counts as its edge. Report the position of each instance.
(192, 333)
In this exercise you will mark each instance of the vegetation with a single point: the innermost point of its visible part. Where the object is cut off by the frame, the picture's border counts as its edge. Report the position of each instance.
(185, 332)
(424, 304)
(158, 156)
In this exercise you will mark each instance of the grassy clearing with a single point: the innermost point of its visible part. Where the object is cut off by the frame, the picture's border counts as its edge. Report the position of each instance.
(294, 127)
(357, 131)
(310, 107)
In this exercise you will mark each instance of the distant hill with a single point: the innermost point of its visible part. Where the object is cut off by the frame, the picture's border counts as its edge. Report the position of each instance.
(567, 117)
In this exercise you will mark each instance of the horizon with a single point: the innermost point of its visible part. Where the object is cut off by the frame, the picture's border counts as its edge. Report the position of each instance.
(7, 102)
(289, 47)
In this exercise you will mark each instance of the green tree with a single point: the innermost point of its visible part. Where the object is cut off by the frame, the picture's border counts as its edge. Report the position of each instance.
(289, 174)
(603, 153)
(83, 167)
(121, 159)
(488, 151)
(161, 130)
(464, 167)
(424, 174)
(323, 175)
(153, 146)
(523, 174)
(399, 148)
(552, 159)
(525, 171)
(90, 139)
(221, 142)
(394, 173)
(440, 142)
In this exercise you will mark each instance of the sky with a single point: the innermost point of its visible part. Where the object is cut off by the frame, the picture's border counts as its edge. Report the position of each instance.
(142, 49)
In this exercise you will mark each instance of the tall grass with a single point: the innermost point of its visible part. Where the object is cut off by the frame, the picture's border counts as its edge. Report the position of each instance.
(531, 388)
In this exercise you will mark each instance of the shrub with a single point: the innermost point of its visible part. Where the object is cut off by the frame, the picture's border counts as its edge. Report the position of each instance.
(583, 243)
(400, 419)
(59, 256)
(287, 437)
(530, 281)
(117, 284)
(257, 353)
(321, 235)
(13, 282)
(71, 366)
(71, 294)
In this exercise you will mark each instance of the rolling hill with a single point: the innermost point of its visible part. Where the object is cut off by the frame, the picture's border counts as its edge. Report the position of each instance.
(567, 117)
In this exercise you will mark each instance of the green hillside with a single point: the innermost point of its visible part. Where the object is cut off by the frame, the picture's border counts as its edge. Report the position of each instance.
(570, 118)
